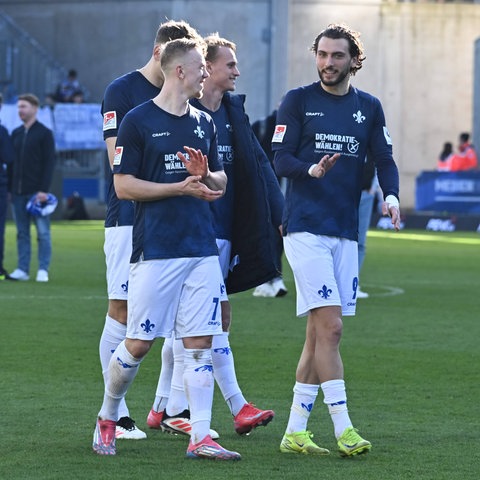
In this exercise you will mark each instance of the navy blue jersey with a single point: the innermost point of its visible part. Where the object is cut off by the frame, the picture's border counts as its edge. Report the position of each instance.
(312, 123)
(123, 94)
(223, 208)
(147, 145)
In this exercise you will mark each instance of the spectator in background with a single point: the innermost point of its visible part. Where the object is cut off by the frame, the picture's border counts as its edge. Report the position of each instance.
(32, 174)
(466, 157)
(78, 96)
(6, 159)
(68, 88)
(443, 162)
(263, 130)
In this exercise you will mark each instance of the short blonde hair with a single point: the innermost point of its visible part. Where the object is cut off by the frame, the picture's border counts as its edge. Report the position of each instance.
(214, 42)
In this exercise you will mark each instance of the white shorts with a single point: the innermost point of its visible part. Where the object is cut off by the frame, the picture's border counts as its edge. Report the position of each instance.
(118, 250)
(179, 295)
(325, 271)
(224, 251)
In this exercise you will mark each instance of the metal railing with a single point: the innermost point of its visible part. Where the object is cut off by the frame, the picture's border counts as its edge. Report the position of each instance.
(25, 66)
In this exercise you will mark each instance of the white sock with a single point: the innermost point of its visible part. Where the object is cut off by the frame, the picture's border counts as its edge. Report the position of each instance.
(165, 377)
(122, 370)
(224, 372)
(304, 396)
(113, 333)
(177, 401)
(336, 399)
(199, 383)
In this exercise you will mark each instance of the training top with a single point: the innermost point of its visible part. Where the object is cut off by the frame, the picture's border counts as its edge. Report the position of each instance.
(222, 208)
(123, 94)
(147, 145)
(312, 123)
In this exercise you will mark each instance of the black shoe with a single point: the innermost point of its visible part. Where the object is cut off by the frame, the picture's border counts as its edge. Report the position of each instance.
(4, 275)
(176, 424)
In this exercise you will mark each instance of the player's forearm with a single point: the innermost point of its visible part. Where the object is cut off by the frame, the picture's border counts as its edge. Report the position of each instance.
(128, 187)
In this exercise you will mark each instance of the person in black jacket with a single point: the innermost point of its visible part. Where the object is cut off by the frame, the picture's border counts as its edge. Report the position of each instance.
(6, 159)
(263, 130)
(32, 174)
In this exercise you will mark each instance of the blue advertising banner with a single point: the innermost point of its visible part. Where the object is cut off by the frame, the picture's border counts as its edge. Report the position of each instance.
(78, 126)
(448, 192)
(75, 126)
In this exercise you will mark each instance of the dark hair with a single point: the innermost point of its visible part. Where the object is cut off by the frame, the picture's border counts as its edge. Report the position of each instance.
(340, 30)
(173, 30)
(464, 137)
(447, 150)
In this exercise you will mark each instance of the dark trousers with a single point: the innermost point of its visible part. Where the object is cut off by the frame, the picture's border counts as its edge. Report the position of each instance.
(3, 219)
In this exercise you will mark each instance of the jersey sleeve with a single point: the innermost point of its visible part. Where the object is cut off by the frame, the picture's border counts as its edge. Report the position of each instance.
(381, 150)
(115, 106)
(129, 148)
(287, 135)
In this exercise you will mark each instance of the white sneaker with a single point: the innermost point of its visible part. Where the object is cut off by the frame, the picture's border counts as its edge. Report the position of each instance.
(361, 294)
(18, 274)
(279, 287)
(127, 430)
(265, 290)
(42, 276)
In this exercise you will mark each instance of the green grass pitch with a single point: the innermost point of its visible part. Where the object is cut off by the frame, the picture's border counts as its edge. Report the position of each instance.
(411, 360)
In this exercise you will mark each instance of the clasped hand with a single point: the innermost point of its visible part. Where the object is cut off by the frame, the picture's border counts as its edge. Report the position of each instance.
(197, 166)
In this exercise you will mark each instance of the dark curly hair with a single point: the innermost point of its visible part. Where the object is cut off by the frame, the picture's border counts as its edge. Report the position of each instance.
(340, 30)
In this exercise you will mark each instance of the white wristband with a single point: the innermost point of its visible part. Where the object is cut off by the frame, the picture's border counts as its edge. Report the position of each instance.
(392, 201)
(310, 170)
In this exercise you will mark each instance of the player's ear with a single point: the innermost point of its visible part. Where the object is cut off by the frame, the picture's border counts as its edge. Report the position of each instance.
(157, 51)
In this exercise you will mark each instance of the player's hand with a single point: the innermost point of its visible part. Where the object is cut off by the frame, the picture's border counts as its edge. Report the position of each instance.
(393, 211)
(324, 165)
(196, 163)
(195, 188)
(41, 197)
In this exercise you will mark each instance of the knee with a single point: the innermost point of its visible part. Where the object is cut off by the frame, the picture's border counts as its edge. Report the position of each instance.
(138, 348)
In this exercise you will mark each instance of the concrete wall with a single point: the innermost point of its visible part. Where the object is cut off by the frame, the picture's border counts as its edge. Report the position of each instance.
(419, 55)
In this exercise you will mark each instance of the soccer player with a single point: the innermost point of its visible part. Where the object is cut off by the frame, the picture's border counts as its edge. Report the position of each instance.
(175, 283)
(123, 94)
(323, 133)
(243, 217)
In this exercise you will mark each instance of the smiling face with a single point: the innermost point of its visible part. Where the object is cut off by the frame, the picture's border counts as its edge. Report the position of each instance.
(223, 69)
(194, 71)
(334, 64)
